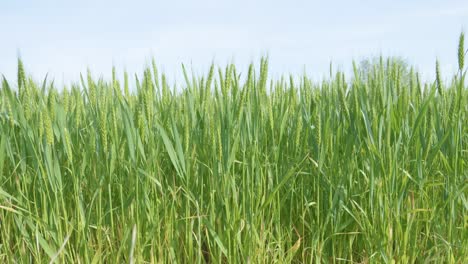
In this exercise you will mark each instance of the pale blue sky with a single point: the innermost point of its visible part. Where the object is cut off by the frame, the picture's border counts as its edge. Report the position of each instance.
(63, 38)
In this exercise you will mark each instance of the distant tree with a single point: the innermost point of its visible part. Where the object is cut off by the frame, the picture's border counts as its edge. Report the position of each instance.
(368, 66)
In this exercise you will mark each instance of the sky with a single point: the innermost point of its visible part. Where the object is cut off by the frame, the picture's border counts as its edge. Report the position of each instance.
(65, 38)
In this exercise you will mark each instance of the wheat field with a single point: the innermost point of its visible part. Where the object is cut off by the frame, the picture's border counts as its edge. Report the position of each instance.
(235, 167)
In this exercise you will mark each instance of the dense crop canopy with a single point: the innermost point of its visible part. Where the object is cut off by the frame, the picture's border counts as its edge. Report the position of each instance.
(371, 168)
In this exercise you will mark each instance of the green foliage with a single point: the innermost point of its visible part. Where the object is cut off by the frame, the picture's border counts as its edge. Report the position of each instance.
(232, 170)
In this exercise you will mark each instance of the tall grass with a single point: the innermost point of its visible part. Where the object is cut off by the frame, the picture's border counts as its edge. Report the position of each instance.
(236, 168)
